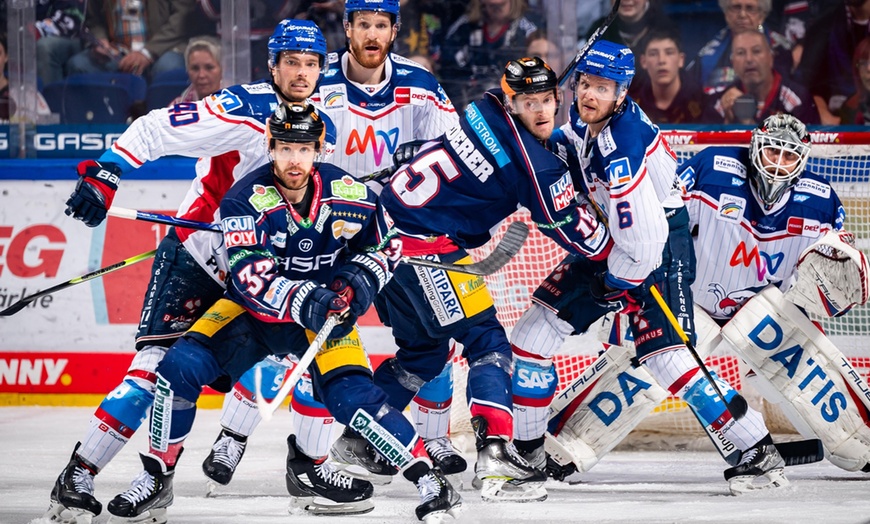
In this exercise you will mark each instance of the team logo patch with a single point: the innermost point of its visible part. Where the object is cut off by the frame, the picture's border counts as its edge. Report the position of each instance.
(727, 164)
(348, 189)
(239, 231)
(801, 198)
(334, 97)
(606, 143)
(619, 172)
(226, 101)
(813, 187)
(805, 227)
(343, 228)
(562, 192)
(731, 208)
(265, 198)
(256, 89)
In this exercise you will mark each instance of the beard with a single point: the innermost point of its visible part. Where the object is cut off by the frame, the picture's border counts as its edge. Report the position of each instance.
(366, 60)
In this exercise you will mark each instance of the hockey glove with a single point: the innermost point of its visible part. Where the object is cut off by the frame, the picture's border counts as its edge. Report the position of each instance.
(617, 300)
(319, 305)
(357, 287)
(94, 192)
(405, 152)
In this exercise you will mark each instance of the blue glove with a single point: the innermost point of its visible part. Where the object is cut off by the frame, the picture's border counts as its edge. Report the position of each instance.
(617, 300)
(319, 305)
(94, 192)
(357, 286)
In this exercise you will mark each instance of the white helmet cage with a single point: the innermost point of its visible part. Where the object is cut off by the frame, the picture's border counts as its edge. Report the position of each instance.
(775, 138)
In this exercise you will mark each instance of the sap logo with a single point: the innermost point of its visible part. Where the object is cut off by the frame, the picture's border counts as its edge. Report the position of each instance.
(239, 231)
(767, 335)
(35, 372)
(801, 198)
(380, 142)
(607, 405)
(530, 379)
(764, 263)
(403, 72)
(736, 182)
(331, 73)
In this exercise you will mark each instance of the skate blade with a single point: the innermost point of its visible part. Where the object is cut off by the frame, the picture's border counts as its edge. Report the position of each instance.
(210, 488)
(501, 489)
(153, 516)
(61, 514)
(361, 473)
(437, 517)
(323, 506)
(744, 484)
(455, 480)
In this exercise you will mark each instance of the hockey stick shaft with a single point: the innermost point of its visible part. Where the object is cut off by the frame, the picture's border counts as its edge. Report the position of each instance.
(588, 45)
(736, 407)
(21, 304)
(504, 251)
(134, 214)
(267, 409)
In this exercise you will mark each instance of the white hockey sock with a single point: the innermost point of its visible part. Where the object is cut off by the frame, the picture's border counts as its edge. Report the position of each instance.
(240, 414)
(314, 427)
(430, 408)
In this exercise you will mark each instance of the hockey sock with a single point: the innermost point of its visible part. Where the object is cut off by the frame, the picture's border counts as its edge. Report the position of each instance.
(534, 386)
(489, 387)
(311, 422)
(240, 414)
(430, 409)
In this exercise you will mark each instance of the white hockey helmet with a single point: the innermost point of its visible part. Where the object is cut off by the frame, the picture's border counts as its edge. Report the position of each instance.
(779, 152)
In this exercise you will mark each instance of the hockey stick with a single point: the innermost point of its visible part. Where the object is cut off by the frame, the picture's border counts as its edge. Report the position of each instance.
(588, 45)
(737, 407)
(21, 304)
(133, 214)
(504, 251)
(267, 409)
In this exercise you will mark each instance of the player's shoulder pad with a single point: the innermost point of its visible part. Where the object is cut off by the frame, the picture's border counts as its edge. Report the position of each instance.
(245, 100)
(410, 74)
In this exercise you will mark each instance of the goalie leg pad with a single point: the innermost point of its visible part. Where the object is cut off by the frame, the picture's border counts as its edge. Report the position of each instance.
(594, 413)
(831, 397)
(430, 409)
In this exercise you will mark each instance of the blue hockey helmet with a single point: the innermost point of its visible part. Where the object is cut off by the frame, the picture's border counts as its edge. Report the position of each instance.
(303, 36)
(390, 7)
(608, 60)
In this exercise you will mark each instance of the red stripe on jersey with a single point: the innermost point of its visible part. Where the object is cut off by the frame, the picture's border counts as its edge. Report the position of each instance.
(431, 404)
(525, 354)
(123, 152)
(215, 185)
(374, 116)
(309, 410)
(150, 376)
(245, 121)
(632, 186)
(743, 223)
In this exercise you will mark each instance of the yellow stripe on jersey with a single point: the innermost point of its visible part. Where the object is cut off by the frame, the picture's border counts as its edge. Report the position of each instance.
(219, 315)
(473, 294)
(347, 351)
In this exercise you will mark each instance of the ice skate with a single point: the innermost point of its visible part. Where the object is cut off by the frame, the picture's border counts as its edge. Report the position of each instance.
(72, 497)
(321, 489)
(761, 463)
(355, 456)
(505, 474)
(444, 456)
(221, 463)
(437, 498)
(148, 497)
(539, 459)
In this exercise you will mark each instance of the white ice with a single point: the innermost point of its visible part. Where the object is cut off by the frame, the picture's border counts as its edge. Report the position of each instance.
(626, 486)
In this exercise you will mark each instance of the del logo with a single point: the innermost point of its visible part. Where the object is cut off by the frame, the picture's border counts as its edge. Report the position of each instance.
(410, 95)
(562, 192)
(805, 227)
(239, 231)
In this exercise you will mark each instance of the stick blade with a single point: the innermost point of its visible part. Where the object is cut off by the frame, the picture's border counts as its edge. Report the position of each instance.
(507, 248)
(14, 308)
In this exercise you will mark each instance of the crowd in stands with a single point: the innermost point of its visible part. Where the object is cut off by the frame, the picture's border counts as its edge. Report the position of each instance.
(809, 58)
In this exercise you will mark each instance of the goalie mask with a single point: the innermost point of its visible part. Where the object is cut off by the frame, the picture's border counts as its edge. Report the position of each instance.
(779, 152)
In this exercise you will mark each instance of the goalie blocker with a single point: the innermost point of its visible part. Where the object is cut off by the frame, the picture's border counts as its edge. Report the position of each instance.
(791, 354)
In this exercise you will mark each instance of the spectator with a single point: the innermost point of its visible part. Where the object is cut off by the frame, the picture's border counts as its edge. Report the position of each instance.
(57, 29)
(760, 91)
(635, 20)
(329, 17)
(203, 60)
(712, 69)
(8, 101)
(826, 65)
(424, 23)
(479, 44)
(856, 110)
(589, 12)
(667, 96)
(135, 36)
(541, 47)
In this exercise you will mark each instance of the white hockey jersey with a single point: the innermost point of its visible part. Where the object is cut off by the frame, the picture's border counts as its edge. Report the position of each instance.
(740, 247)
(226, 131)
(628, 173)
(372, 120)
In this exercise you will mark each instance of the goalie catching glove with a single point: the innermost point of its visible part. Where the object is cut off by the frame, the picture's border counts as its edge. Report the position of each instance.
(94, 192)
(833, 276)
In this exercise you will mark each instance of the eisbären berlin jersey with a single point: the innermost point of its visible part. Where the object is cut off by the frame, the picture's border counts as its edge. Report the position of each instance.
(227, 131)
(740, 247)
(372, 120)
(629, 173)
(271, 253)
(466, 182)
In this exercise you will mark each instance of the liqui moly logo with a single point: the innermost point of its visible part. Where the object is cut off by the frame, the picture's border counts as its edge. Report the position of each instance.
(239, 231)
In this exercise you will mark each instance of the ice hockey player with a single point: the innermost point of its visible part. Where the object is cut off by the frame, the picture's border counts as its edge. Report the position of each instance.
(274, 221)
(226, 130)
(447, 199)
(628, 175)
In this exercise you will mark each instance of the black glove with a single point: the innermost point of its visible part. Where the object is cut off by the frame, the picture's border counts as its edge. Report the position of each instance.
(322, 303)
(94, 192)
(357, 287)
(405, 152)
(617, 300)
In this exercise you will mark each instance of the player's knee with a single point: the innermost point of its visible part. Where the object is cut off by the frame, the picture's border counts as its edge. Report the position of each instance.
(540, 332)
(344, 395)
(272, 376)
(186, 368)
(392, 370)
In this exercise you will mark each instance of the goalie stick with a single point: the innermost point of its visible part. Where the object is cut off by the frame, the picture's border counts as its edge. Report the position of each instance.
(135, 214)
(267, 409)
(588, 45)
(504, 251)
(21, 304)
